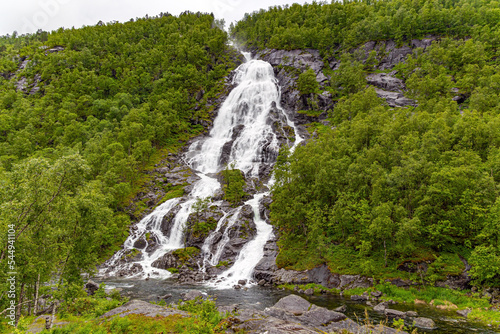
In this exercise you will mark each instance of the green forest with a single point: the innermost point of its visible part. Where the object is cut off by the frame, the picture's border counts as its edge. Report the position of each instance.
(384, 187)
(84, 112)
(114, 100)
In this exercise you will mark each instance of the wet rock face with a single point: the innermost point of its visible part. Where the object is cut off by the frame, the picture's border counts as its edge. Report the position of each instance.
(167, 261)
(264, 270)
(287, 65)
(200, 224)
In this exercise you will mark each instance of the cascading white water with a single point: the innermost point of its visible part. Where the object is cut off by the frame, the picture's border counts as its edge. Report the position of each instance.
(245, 115)
(243, 136)
(252, 252)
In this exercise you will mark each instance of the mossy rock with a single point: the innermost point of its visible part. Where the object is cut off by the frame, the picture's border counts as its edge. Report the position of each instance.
(186, 254)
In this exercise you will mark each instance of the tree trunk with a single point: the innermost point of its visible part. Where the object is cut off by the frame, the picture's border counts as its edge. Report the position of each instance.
(29, 295)
(37, 285)
(385, 255)
(53, 316)
(20, 304)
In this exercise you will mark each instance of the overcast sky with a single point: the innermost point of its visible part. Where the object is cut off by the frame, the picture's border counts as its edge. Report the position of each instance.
(27, 16)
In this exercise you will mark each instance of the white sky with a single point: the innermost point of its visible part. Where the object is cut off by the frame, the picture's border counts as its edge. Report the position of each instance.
(27, 16)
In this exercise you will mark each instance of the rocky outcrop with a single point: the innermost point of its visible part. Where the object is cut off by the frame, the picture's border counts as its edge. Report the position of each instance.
(267, 267)
(321, 275)
(288, 64)
(295, 314)
(136, 306)
(395, 99)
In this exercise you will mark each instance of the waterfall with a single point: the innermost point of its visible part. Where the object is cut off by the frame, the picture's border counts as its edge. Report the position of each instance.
(246, 135)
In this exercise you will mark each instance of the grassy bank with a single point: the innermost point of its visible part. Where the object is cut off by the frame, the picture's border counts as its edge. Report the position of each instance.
(81, 315)
(440, 298)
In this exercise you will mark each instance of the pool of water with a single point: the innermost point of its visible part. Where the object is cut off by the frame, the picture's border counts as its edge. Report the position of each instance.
(260, 297)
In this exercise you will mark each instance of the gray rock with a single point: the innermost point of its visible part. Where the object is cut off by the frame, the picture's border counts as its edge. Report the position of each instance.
(395, 99)
(341, 309)
(320, 316)
(359, 298)
(394, 313)
(343, 326)
(262, 282)
(191, 295)
(144, 308)
(424, 323)
(464, 313)
(386, 82)
(293, 304)
(309, 292)
(380, 307)
(376, 294)
(411, 314)
(242, 282)
(237, 287)
(91, 287)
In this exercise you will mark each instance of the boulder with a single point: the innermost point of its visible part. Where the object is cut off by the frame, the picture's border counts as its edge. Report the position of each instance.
(380, 307)
(309, 292)
(242, 282)
(191, 295)
(395, 99)
(394, 313)
(411, 314)
(320, 316)
(359, 298)
(293, 304)
(464, 313)
(91, 287)
(341, 309)
(424, 323)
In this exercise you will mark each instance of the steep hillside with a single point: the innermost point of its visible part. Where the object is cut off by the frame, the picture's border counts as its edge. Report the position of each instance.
(82, 112)
(401, 179)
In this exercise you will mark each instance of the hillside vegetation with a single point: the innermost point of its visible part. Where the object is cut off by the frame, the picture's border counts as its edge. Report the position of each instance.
(385, 188)
(111, 99)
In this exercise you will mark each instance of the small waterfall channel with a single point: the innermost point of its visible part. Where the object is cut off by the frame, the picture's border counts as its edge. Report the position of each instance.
(247, 134)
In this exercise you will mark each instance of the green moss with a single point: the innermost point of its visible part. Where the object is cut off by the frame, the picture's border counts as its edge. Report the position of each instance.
(489, 316)
(173, 192)
(233, 185)
(203, 228)
(222, 264)
(173, 270)
(185, 254)
(318, 127)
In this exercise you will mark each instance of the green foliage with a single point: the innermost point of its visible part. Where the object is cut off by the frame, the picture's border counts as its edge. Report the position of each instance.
(185, 254)
(234, 182)
(206, 312)
(307, 84)
(349, 78)
(325, 26)
(390, 183)
(222, 264)
(90, 307)
(108, 105)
